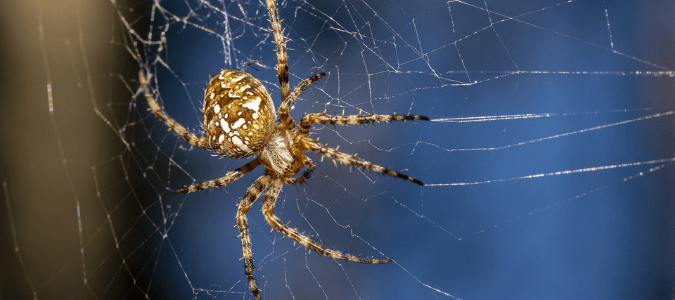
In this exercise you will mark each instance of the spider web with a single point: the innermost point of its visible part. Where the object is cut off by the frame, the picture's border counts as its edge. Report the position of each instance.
(548, 164)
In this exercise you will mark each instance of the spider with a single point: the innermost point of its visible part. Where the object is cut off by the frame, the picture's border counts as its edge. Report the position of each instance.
(239, 121)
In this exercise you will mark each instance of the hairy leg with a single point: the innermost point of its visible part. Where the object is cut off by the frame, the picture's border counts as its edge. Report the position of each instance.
(168, 121)
(228, 178)
(284, 117)
(251, 195)
(309, 167)
(351, 159)
(282, 66)
(309, 119)
(268, 210)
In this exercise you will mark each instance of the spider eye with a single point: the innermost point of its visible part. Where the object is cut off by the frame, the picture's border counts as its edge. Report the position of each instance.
(239, 114)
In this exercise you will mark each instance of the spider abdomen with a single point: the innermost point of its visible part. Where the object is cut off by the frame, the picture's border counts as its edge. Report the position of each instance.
(239, 114)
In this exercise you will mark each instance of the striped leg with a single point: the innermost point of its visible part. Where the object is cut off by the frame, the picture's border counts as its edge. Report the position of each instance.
(168, 121)
(229, 177)
(268, 210)
(284, 117)
(351, 159)
(282, 66)
(309, 167)
(309, 119)
(251, 195)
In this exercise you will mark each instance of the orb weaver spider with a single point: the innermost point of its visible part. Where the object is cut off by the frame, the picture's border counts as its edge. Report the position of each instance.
(240, 121)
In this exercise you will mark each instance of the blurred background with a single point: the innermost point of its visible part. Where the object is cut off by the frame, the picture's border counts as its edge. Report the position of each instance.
(548, 164)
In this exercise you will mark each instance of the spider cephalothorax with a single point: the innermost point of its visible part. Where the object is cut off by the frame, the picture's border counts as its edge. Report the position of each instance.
(240, 121)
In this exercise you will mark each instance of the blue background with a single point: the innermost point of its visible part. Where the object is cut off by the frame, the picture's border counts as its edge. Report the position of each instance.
(595, 234)
(596, 76)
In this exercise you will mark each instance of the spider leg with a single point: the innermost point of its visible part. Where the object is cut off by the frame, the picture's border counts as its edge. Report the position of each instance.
(309, 119)
(351, 159)
(309, 167)
(168, 121)
(229, 177)
(282, 66)
(286, 103)
(251, 195)
(268, 210)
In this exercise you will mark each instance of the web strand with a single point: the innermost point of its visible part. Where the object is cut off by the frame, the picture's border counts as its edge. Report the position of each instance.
(549, 151)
